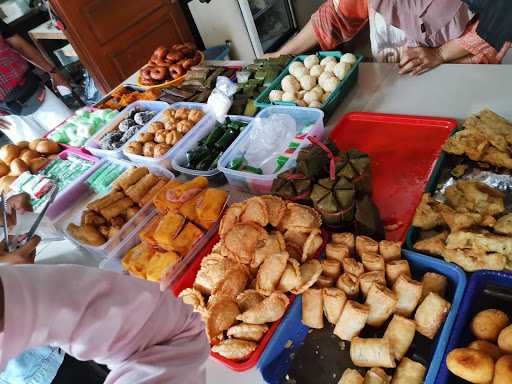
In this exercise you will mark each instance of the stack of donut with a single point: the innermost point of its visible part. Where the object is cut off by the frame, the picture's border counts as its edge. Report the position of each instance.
(169, 64)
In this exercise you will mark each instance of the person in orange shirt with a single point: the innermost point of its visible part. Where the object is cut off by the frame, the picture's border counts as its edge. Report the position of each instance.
(417, 34)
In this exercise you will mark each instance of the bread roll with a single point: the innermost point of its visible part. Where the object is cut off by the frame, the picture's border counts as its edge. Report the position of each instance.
(312, 308)
(18, 166)
(22, 144)
(371, 353)
(37, 163)
(5, 183)
(471, 365)
(487, 347)
(487, 324)
(505, 339)
(27, 154)
(4, 169)
(409, 372)
(47, 147)
(33, 144)
(503, 370)
(8, 153)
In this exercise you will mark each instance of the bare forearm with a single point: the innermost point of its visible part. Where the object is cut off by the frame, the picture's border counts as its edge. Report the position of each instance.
(30, 53)
(452, 51)
(300, 43)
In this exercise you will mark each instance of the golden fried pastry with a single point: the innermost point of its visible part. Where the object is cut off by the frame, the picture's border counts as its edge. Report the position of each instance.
(457, 221)
(310, 271)
(473, 260)
(345, 238)
(313, 243)
(91, 217)
(408, 292)
(222, 314)
(487, 324)
(171, 138)
(472, 144)
(233, 283)
(299, 217)
(155, 127)
(497, 158)
(159, 263)
(296, 238)
(396, 268)
(325, 282)
(487, 242)
(160, 136)
(503, 370)
(195, 115)
(104, 230)
(427, 214)
(117, 222)
(184, 126)
(474, 196)
(371, 352)
(372, 261)
(214, 268)
(487, 347)
(135, 148)
(180, 114)
(116, 209)
(504, 225)
(87, 234)
(400, 333)
(409, 372)
(382, 302)
(131, 212)
(230, 218)
(434, 282)
(147, 234)
(390, 250)
(471, 365)
(249, 298)
(349, 284)
(148, 149)
(105, 201)
(368, 278)
(505, 339)
(312, 308)
(365, 244)
(352, 320)
(334, 300)
(194, 298)
(269, 310)
(148, 197)
(331, 268)
(130, 177)
(186, 239)
(168, 228)
(291, 277)
(431, 314)
(337, 251)
(294, 251)
(146, 137)
(112, 232)
(210, 205)
(235, 349)
(270, 272)
(137, 191)
(243, 239)
(276, 208)
(352, 266)
(351, 376)
(161, 150)
(249, 332)
(255, 211)
(169, 114)
(136, 260)
(435, 245)
(273, 244)
(376, 376)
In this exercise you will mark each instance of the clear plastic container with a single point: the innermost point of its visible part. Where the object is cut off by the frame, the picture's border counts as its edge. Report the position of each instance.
(262, 184)
(179, 161)
(93, 146)
(112, 247)
(165, 160)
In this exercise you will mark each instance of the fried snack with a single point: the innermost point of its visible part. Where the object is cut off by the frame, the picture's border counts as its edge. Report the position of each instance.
(159, 263)
(486, 242)
(255, 211)
(248, 299)
(349, 284)
(105, 201)
(249, 332)
(372, 261)
(371, 353)
(136, 260)
(347, 239)
(331, 268)
(409, 372)
(434, 245)
(487, 347)
(90, 217)
(382, 303)
(87, 234)
(242, 241)
(352, 320)
(431, 314)
(312, 308)
(222, 314)
(130, 177)
(189, 208)
(148, 232)
(148, 197)
(291, 277)
(337, 251)
(270, 272)
(210, 205)
(297, 238)
(457, 221)
(505, 339)
(194, 298)
(474, 196)
(503, 370)
(137, 191)
(352, 266)
(273, 244)
(276, 208)
(473, 260)
(390, 250)
(104, 230)
(174, 194)
(186, 239)
(299, 217)
(367, 279)
(504, 225)
(351, 376)
(131, 212)
(235, 349)
(168, 228)
(269, 310)
(230, 218)
(471, 365)
(324, 282)
(310, 271)
(366, 244)
(116, 209)
(427, 214)
(117, 222)
(312, 245)
(400, 333)
(396, 268)
(214, 268)
(487, 324)
(408, 292)
(233, 283)
(376, 376)
(334, 300)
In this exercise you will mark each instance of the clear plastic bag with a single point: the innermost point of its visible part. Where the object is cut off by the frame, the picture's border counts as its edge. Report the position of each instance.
(221, 98)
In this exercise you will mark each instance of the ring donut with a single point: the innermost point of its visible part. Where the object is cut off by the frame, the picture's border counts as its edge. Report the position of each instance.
(175, 56)
(188, 52)
(145, 73)
(162, 63)
(159, 73)
(160, 53)
(187, 64)
(148, 82)
(176, 71)
(197, 58)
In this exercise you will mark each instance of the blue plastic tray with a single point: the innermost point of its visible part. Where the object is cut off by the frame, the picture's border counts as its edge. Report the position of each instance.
(276, 360)
(475, 300)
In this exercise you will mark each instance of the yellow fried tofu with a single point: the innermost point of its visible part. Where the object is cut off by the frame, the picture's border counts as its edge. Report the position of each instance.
(189, 208)
(175, 194)
(160, 200)
(159, 263)
(210, 206)
(168, 228)
(148, 232)
(184, 242)
(136, 260)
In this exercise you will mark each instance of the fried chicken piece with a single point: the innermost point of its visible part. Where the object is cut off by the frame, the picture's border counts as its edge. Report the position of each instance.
(473, 260)
(434, 245)
(427, 214)
(504, 225)
(457, 221)
(486, 242)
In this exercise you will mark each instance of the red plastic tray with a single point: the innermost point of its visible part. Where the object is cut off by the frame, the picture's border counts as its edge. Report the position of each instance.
(187, 280)
(404, 151)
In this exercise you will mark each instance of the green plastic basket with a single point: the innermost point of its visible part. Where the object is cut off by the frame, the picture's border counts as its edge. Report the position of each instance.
(328, 107)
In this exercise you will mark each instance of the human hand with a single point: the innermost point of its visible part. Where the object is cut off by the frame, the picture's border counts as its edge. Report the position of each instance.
(18, 203)
(271, 55)
(417, 61)
(4, 123)
(22, 255)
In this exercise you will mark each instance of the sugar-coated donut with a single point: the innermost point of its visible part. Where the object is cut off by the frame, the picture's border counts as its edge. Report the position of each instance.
(161, 52)
(175, 56)
(159, 73)
(176, 71)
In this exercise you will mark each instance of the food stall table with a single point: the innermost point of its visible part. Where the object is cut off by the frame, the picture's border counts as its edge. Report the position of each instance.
(451, 90)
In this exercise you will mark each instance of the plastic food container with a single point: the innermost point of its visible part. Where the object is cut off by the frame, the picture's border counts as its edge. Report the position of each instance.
(336, 97)
(165, 160)
(187, 281)
(486, 289)
(93, 145)
(190, 142)
(277, 358)
(112, 247)
(262, 184)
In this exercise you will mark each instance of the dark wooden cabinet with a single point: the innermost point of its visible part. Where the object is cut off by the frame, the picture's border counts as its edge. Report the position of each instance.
(113, 38)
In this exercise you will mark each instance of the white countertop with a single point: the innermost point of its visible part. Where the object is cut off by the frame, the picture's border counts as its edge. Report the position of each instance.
(451, 91)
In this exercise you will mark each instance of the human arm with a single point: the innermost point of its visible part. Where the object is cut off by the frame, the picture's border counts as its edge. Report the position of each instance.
(142, 335)
(300, 43)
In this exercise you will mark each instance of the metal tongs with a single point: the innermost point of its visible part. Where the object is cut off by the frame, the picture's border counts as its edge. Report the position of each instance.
(26, 238)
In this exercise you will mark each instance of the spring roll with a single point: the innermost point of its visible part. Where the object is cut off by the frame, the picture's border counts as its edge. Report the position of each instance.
(325, 282)
(390, 250)
(349, 284)
(352, 320)
(434, 282)
(137, 191)
(331, 268)
(382, 303)
(367, 279)
(372, 261)
(270, 272)
(334, 300)
(130, 177)
(431, 314)
(312, 308)
(105, 201)
(116, 209)
(336, 251)
(396, 268)
(345, 238)
(148, 197)
(400, 333)
(352, 266)
(409, 372)
(366, 244)
(371, 353)
(376, 376)
(351, 376)
(408, 292)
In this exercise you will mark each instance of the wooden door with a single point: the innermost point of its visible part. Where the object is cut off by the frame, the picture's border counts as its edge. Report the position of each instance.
(113, 38)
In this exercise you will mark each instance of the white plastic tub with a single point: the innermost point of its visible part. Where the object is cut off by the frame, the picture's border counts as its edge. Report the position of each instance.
(92, 145)
(262, 184)
(166, 160)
